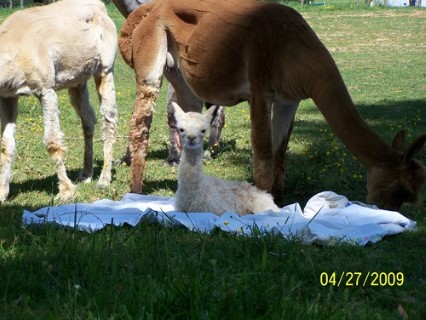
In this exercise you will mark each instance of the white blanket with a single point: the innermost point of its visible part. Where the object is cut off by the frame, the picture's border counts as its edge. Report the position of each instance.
(328, 218)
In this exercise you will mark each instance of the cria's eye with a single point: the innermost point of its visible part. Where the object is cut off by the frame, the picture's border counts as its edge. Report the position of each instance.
(203, 131)
(181, 130)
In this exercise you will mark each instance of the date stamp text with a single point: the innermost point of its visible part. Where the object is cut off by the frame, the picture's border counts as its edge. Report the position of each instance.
(361, 279)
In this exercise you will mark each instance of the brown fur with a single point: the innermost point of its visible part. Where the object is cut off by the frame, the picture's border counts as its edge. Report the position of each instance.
(231, 51)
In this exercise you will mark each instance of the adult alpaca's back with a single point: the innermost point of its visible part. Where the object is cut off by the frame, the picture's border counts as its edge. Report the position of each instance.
(200, 193)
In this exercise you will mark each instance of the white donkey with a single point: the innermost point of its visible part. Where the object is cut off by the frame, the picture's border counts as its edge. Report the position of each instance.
(53, 47)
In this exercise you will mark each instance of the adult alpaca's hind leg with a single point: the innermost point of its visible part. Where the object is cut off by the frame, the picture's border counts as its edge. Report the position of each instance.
(149, 65)
(79, 98)
(8, 115)
(139, 134)
(283, 114)
(107, 98)
(53, 139)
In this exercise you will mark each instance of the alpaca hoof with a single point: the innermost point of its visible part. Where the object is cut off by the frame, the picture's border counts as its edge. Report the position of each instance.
(66, 193)
(126, 160)
(172, 163)
(3, 195)
(208, 156)
(117, 163)
(103, 183)
(84, 179)
(211, 153)
(65, 197)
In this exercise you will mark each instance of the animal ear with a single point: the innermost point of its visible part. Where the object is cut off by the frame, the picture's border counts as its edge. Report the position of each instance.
(398, 142)
(177, 111)
(414, 149)
(211, 112)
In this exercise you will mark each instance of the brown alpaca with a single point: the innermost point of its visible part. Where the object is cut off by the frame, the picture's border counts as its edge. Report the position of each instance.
(232, 51)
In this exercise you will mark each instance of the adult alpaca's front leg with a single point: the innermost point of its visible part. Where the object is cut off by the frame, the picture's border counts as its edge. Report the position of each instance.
(53, 139)
(216, 127)
(175, 146)
(261, 140)
(8, 115)
(282, 126)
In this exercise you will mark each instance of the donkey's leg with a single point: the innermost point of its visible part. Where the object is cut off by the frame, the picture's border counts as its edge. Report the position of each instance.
(106, 90)
(261, 140)
(53, 139)
(79, 98)
(8, 115)
(283, 113)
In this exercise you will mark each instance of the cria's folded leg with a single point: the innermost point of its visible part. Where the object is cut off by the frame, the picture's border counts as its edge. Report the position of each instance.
(282, 126)
(53, 137)
(8, 114)
(79, 98)
(261, 140)
(107, 98)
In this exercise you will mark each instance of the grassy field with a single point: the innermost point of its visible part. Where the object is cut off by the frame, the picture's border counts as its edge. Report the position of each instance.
(154, 272)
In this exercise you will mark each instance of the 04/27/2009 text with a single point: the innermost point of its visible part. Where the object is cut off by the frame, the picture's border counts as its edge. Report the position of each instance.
(364, 279)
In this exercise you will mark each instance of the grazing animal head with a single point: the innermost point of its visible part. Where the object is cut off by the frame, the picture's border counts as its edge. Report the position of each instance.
(400, 180)
(192, 126)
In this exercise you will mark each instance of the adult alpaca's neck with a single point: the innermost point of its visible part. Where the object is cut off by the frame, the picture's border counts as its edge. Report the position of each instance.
(341, 114)
(191, 167)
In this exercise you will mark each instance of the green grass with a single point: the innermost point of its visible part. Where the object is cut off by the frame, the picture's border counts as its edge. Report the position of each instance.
(154, 272)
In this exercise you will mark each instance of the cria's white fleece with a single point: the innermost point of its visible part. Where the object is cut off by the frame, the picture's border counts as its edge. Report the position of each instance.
(200, 193)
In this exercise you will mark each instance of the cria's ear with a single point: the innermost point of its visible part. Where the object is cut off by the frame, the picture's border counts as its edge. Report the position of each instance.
(211, 112)
(398, 142)
(178, 112)
(414, 149)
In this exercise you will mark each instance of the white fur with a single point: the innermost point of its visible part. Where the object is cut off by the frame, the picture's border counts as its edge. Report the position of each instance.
(200, 193)
(58, 46)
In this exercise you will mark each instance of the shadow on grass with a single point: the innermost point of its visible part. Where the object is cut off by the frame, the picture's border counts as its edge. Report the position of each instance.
(327, 164)
(385, 117)
(49, 184)
(162, 153)
(320, 168)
